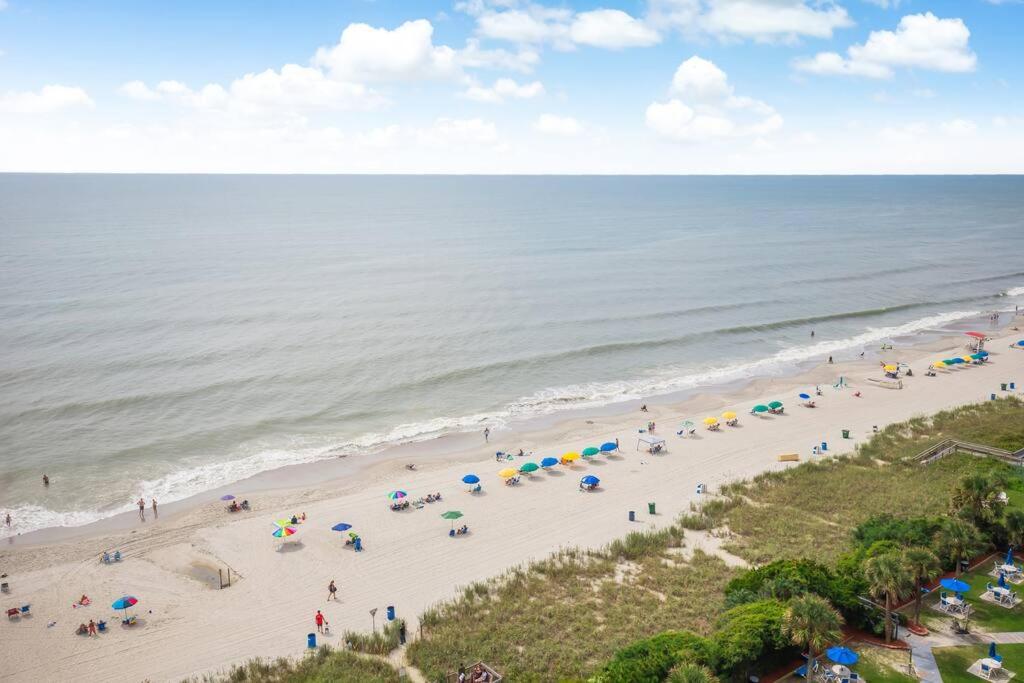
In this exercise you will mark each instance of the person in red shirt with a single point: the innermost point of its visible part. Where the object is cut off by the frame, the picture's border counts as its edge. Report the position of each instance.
(320, 621)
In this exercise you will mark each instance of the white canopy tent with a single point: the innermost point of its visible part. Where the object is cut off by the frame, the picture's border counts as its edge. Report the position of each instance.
(650, 440)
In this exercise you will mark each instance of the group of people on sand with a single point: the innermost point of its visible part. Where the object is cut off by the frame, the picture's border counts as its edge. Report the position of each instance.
(89, 629)
(236, 506)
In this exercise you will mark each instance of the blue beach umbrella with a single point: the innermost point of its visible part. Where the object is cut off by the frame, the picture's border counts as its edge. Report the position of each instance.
(992, 650)
(1002, 580)
(805, 396)
(341, 527)
(842, 655)
(1009, 556)
(609, 447)
(957, 360)
(955, 585)
(549, 462)
(983, 354)
(471, 479)
(590, 480)
(1020, 343)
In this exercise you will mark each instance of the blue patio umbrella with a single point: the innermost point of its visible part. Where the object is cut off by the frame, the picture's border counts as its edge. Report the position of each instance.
(1002, 580)
(992, 649)
(341, 527)
(842, 655)
(609, 447)
(955, 585)
(805, 396)
(1009, 556)
(590, 480)
(549, 462)
(471, 479)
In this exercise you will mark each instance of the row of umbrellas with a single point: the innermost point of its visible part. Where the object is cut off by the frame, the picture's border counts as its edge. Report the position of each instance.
(959, 360)
(546, 463)
(759, 408)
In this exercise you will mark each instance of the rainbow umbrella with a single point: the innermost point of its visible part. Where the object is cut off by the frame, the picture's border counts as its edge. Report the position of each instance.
(397, 494)
(529, 467)
(609, 447)
(283, 531)
(124, 603)
(775, 405)
(507, 473)
(590, 450)
(548, 462)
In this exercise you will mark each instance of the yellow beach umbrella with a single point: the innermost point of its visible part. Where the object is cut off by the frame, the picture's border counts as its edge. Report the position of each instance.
(889, 368)
(570, 457)
(729, 415)
(507, 473)
(938, 364)
(710, 420)
(966, 359)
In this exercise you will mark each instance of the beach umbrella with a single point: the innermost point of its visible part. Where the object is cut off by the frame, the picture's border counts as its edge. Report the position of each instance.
(939, 364)
(549, 462)
(471, 479)
(227, 497)
(889, 368)
(124, 603)
(529, 467)
(728, 415)
(956, 361)
(976, 356)
(1002, 580)
(397, 494)
(283, 531)
(992, 650)
(452, 515)
(976, 335)
(760, 408)
(609, 447)
(806, 397)
(966, 359)
(710, 421)
(842, 655)
(949, 361)
(955, 585)
(1020, 343)
(590, 480)
(590, 450)
(341, 527)
(507, 473)
(775, 405)
(570, 457)
(1009, 556)
(983, 354)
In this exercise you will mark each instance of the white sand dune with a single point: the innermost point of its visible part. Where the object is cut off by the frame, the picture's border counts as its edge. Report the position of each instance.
(410, 562)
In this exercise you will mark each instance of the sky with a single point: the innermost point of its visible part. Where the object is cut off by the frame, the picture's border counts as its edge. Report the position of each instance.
(513, 86)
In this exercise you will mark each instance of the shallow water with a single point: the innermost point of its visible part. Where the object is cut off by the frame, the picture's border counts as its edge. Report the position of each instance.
(164, 335)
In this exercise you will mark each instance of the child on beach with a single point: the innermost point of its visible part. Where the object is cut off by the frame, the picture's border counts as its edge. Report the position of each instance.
(320, 621)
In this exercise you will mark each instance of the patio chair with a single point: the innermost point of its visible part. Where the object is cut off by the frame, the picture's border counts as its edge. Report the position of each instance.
(854, 676)
(986, 670)
(802, 671)
(26, 609)
(988, 587)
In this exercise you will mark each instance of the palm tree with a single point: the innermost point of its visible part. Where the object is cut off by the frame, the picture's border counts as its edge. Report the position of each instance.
(976, 495)
(692, 673)
(958, 539)
(1014, 523)
(887, 578)
(922, 565)
(812, 622)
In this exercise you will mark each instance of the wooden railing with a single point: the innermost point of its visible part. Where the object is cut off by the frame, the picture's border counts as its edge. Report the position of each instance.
(948, 446)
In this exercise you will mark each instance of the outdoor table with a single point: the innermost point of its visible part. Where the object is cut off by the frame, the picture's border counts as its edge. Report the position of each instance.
(992, 663)
(1008, 569)
(841, 671)
(1000, 593)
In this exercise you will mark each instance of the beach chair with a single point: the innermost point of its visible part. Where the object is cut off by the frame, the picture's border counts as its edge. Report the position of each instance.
(802, 671)
(26, 610)
(101, 626)
(106, 558)
(117, 556)
(5, 587)
(13, 613)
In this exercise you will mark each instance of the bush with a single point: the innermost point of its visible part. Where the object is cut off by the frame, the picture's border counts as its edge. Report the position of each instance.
(650, 660)
(905, 532)
(747, 634)
(319, 666)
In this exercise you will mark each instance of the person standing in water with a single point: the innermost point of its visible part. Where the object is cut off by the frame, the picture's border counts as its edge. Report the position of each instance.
(142, 509)
(7, 520)
(46, 480)
(487, 434)
(154, 509)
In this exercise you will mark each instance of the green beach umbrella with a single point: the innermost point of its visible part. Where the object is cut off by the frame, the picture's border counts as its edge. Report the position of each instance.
(775, 405)
(529, 467)
(759, 408)
(590, 450)
(452, 515)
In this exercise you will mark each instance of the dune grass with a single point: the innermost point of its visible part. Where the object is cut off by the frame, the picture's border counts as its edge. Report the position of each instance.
(563, 617)
(319, 666)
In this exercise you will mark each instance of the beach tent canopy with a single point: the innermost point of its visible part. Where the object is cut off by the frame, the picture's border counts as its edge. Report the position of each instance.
(648, 439)
(609, 447)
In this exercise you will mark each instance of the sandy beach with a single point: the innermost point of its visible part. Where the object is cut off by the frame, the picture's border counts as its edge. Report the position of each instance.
(187, 627)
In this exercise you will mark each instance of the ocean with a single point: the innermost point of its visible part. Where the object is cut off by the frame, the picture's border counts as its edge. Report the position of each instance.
(166, 335)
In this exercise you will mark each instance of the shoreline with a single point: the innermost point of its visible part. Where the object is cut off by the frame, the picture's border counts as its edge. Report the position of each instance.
(464, 447)
(410, 562)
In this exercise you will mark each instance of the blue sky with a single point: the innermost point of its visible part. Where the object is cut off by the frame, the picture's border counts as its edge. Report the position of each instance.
(512, 86)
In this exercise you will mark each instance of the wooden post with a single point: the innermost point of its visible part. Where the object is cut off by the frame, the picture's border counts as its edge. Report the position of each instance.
(229, 577)
(220, 578)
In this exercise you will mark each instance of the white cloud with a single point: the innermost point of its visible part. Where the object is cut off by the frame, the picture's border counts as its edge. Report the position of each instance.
(762, 20)
(48, 99)
(705, 107)
(611, 28)
(921, 41)
(474, 57)
(366, 54)
(959, 127)
(137, 90)
(504, 88)
(923, 93)
(533, 24)
(551, 124)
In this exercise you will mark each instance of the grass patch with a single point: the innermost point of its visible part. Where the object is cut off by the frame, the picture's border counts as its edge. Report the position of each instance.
(320, 666)
(377, 643)
(984, 615)
(565, 616)
(883, 666)
(953, 661)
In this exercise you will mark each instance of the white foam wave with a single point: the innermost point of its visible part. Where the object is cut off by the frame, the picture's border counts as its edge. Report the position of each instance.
(1015, 291)
(197, 479)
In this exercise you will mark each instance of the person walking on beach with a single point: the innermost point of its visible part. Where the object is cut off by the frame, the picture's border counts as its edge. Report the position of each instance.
(46, 480)
(142, 509)
(830, 360)
(332, 591)
(7, 521)
(154, 509)
(320, 621)
(487, 434)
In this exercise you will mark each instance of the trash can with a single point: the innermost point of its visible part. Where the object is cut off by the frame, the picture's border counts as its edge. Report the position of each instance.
(632, 516)
(824, 446)
(993, 397)
(311, 641)
(1002, 386)
(846, 433)
(1013, 386)
(650, 509)
(391, 612)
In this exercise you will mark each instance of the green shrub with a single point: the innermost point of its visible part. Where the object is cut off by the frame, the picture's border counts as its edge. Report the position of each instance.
(747, 634)
(917, 531)
(651, 659)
